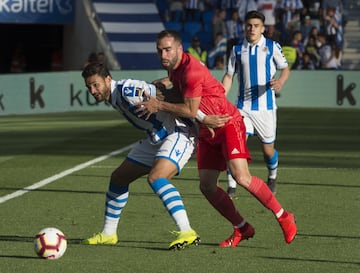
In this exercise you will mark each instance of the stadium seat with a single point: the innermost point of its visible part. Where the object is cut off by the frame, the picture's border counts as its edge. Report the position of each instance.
(173, 25)
(207, 17)
(192, 27)
(186, 45)
(206, 39)
(185, 36)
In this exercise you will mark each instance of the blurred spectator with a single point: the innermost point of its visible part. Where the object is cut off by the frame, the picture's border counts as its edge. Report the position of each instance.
(297, 43)
(218, 21)
(327, 52)
(193, 10)
(332, 27)
(93, 57)
(18, 59)
(290, 8)
(220, 63)
(313, 9)
(306, 26)
(295, 23)
(197, 51)
(311, 49)
(272, 33)
(314, 33)
(234, 31)
(228, 5)
(176, 10)
(244, 6)
(290, 55)
(218, 51)
(267, 7)
(101, 58)
(306, 63)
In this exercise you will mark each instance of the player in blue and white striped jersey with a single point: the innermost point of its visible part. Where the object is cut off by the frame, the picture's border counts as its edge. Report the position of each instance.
(160, 156)
(256, 60)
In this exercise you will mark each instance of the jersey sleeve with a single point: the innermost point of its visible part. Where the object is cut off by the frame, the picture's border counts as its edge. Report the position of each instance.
(279, 57)
(230, 69)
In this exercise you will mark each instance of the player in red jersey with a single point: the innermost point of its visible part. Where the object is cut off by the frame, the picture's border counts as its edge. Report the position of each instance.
(225, 147)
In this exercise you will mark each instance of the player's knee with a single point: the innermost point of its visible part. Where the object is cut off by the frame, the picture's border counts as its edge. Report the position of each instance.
(207, 189)
(243, 180)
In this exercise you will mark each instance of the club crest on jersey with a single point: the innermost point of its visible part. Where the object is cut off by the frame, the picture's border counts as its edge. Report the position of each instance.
(129, 91)
(266, 50)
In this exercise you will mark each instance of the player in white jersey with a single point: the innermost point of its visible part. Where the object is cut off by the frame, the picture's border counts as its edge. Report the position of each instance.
(168, 147)
(256, 60)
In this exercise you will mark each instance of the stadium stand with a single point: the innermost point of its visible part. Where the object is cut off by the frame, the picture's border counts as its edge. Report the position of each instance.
(131, 27)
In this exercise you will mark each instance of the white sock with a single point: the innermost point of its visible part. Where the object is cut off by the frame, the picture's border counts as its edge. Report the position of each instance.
(116, 199)
(231, 181)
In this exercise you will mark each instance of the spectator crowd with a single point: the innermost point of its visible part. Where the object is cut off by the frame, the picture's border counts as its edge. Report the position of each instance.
(311, 33)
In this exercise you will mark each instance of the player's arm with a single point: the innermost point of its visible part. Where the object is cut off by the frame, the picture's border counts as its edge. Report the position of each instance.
(163, 81)
(277, 84)
(212, 121)
(227, 82)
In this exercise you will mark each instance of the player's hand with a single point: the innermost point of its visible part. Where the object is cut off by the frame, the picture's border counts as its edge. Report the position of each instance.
(216, 121)
(276, 85)
(147, 107)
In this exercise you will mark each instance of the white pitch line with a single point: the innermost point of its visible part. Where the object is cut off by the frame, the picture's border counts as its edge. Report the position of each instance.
(57, 176)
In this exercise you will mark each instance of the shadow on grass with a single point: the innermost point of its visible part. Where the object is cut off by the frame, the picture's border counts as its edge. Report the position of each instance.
(132, 193)
(309, 260)
(329, 236)
(123, 244)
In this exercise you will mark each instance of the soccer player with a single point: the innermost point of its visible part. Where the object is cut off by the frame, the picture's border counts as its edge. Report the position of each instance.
(256, 60)
(227, 147)
(160, 156)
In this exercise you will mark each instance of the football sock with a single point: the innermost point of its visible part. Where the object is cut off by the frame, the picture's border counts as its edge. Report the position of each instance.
(116, 199)
(172, 201)
(223, 204)
(262, 192)
(231, 180)
(272, 164)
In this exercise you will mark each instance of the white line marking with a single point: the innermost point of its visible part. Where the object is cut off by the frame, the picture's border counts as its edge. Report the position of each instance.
(50, 179)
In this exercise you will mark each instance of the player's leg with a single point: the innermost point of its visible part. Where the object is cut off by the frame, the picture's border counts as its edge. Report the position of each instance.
(209, 171)
(265, 125)
(231, 189)
(238, 165)
(271, 158)
(173, 154)
(231, 184)
(116, 200)
(258, 188)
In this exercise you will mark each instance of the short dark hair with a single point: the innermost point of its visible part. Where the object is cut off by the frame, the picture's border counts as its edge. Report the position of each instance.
(254, 14)
(169, 33)
(95, 69)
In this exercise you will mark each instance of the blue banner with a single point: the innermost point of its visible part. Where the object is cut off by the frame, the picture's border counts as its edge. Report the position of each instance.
(37, 11)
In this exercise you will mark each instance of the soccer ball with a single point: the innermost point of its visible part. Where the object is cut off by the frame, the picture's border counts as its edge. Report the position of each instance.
(50, 243)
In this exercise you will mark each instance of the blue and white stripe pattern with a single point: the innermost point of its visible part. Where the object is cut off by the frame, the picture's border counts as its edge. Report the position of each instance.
(256, 65)
(272, 163)
(131, 27)
(339, 32)
(116, 199)
(292, 6)
(169, 195)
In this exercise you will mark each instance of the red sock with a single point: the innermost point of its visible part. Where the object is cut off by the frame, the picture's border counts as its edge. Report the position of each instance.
(262, 192)
(223, 204)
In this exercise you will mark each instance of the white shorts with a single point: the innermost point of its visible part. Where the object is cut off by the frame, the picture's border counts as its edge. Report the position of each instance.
(261, 123)
(177, 147)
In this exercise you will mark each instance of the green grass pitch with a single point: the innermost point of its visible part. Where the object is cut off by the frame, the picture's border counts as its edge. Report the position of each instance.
(318, 179)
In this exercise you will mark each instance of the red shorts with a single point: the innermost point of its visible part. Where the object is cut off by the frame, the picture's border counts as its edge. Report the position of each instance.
(228, 143)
